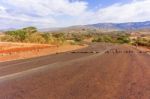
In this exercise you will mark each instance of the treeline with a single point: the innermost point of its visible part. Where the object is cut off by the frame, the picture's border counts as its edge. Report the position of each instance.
(31, 35)
(141, 42)
(113, 38)
(121, 38)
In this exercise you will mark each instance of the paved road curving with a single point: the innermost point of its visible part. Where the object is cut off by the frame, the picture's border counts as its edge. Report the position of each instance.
(103, 75)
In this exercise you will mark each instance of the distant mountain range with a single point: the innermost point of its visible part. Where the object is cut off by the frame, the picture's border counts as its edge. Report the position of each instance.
(130, 26)
(122, 26)
(100, 27)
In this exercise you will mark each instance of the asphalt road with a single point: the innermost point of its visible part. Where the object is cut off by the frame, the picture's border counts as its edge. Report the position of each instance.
(101, 71)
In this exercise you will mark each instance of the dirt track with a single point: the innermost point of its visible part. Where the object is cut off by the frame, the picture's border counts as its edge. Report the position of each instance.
(82, 75)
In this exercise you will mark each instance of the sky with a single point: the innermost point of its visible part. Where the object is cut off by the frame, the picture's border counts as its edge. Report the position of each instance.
(63, 13)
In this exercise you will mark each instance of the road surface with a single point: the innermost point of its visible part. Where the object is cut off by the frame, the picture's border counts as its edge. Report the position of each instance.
(100, 71)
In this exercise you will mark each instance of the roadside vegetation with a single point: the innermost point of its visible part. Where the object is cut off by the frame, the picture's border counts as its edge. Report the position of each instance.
(122, 39)
(141, 42)
(112, 38)
(32, 35)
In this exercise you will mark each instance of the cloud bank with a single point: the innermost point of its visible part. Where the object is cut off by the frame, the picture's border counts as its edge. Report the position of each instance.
(59, 13)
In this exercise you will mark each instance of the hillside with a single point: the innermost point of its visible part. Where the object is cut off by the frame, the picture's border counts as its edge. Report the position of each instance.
(103, 27)
(122, 26)
(100, 27)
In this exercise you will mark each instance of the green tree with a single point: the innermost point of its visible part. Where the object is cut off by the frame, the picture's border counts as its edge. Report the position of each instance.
(19, 35)
(48, 38)
(8, 38)
(30, 29)
(59, 38)
(35, 38)
(123, 39)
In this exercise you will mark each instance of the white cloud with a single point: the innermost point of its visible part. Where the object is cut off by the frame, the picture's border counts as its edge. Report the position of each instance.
(134, 11)
(138, 10)
(40, 11)
(51, 13)
(48, 7)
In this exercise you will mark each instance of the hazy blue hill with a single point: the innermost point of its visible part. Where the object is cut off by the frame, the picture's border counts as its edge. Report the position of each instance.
(99, 27)
(122, 26)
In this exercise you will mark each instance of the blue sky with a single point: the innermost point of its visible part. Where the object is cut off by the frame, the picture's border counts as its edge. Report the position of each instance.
(105, 3)
(62, 13)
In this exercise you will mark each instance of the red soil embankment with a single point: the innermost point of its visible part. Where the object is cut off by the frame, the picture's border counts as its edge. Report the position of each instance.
(9, 51)
(14, 51)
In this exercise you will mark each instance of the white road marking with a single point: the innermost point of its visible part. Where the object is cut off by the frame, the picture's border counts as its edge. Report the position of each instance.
(46, 67)
(28, 61)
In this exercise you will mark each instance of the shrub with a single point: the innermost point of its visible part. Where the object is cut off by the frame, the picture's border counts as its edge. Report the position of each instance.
(123, 39)
(30, 29)
(108, 38)
(35, 38)
(103, 38)
(8, 38)
(19, 35)
(48, 38)
(59, 38)
(142, 42)
(77, 37)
